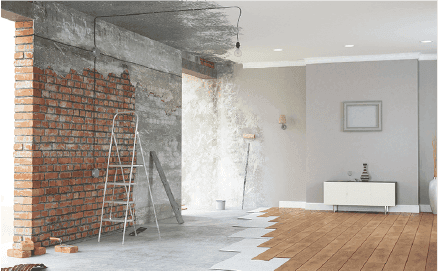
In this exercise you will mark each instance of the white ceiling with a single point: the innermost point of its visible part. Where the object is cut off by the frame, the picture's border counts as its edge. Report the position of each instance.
(307, 29)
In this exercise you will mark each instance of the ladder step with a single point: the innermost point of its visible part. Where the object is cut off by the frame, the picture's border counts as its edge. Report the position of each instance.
(121, 183)
(117, 220)
(118, 202)
(125, 165)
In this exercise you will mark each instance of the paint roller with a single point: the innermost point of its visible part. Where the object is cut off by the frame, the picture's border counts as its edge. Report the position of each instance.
(246, 136)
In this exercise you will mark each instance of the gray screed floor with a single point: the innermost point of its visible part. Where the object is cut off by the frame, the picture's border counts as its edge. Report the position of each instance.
(193, 245)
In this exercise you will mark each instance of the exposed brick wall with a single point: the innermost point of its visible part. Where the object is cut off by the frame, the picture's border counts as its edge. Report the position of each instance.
(62, 132)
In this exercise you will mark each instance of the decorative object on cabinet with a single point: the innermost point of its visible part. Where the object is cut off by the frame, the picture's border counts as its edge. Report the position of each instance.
(365, 176)
(362, 116)
(432, 183)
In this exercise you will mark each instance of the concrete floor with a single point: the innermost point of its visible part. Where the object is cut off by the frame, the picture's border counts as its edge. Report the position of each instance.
(193, 245)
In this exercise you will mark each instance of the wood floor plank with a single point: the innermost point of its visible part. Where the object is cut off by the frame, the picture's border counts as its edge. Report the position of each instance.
(272, 252)
(300, 224)
(377, 260)
(283, 228)
(294, 249)
(432, 255)
(296, 261)
(347, 250)
(361, 255)
(399, 255)
(418, 254)
(328, 251)
(286, 219)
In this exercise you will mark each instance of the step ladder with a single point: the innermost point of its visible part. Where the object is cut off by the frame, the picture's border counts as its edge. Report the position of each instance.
(128, 203)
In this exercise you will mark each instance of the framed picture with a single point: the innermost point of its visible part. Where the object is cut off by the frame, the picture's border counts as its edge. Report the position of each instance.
(363, 116)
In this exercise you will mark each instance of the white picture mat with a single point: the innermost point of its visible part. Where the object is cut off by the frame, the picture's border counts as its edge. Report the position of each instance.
(362, 116)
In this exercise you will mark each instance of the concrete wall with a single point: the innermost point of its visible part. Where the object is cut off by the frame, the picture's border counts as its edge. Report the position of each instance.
(427, 124)
(63, 41)
(391, 154)
(215, 116)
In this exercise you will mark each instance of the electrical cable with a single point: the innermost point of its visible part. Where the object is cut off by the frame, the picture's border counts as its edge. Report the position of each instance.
(95, 50)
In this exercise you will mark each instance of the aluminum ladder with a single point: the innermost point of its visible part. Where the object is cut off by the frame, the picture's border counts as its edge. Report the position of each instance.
(129, 205)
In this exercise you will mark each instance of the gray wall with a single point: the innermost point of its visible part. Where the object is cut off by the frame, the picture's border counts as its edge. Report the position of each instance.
(427, 123)
(158, 94)
(391, 154)
(215, 116)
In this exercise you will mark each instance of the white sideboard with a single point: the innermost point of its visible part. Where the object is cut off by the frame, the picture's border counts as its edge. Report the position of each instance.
(359, 193)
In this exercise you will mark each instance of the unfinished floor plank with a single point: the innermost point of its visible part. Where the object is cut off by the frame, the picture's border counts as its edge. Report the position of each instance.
(295, 262)
(432, 255)
(294, 228)
(399, 255)
(348, 249)
(274, 251)
(418, 254)
(377, 260)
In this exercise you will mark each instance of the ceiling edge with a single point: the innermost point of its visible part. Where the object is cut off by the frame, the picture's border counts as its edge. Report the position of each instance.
(273, 64)
(401, 56)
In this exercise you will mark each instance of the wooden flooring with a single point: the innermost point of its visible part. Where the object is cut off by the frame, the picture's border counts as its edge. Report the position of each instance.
(320, 240)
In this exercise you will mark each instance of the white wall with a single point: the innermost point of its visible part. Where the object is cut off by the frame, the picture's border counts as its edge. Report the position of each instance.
(427, 124)
(391, 154)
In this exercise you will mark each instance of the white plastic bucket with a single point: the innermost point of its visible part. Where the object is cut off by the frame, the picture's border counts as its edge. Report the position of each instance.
(220, 204)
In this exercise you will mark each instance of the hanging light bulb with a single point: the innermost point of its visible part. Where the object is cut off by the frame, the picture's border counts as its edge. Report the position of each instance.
(238, 52)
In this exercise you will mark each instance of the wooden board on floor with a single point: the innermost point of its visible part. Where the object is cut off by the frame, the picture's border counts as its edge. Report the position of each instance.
(316, 240)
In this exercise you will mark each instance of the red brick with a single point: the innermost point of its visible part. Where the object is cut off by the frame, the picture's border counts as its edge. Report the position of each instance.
(24, 76)
(21, 253)
(26, 39)
(39, 251)
(19, 55)
(28, 92)
(23, 62)
(26, 24)
(24, 32)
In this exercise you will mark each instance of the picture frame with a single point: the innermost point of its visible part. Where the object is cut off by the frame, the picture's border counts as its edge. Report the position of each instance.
(362, 116)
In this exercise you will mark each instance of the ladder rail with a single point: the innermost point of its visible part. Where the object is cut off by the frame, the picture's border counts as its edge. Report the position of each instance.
(130, 179)
(149, 184)
(106, 179)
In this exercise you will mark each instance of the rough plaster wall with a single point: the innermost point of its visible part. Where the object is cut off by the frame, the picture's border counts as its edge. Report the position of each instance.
(158, 93)
(217, 114)
(206, 33)
(391, 154)
(199, 149)
(427, 124)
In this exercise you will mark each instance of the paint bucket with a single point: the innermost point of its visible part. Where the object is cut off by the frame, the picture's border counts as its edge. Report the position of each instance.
(220, 204)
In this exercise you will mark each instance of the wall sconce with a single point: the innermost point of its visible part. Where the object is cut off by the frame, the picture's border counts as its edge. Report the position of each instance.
(282, 121)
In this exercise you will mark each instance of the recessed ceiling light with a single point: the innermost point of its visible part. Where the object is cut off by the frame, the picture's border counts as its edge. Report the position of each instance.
(425, 41)
(278, 50)
(349, 45)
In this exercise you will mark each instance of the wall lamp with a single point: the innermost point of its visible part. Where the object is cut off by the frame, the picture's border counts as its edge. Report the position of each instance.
(282, 121)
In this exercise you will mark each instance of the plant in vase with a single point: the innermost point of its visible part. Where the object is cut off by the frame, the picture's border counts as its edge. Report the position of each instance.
(432, 183)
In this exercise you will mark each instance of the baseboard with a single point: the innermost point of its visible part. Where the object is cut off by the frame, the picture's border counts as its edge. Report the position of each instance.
(319, 207)
(425, 208)
(397, 208)
(292, 204)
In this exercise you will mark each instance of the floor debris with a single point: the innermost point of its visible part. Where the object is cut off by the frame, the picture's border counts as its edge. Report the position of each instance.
(25, 267)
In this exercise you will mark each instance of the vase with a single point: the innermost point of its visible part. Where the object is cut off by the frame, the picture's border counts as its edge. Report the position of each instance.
(365, 176)
(432, 195)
